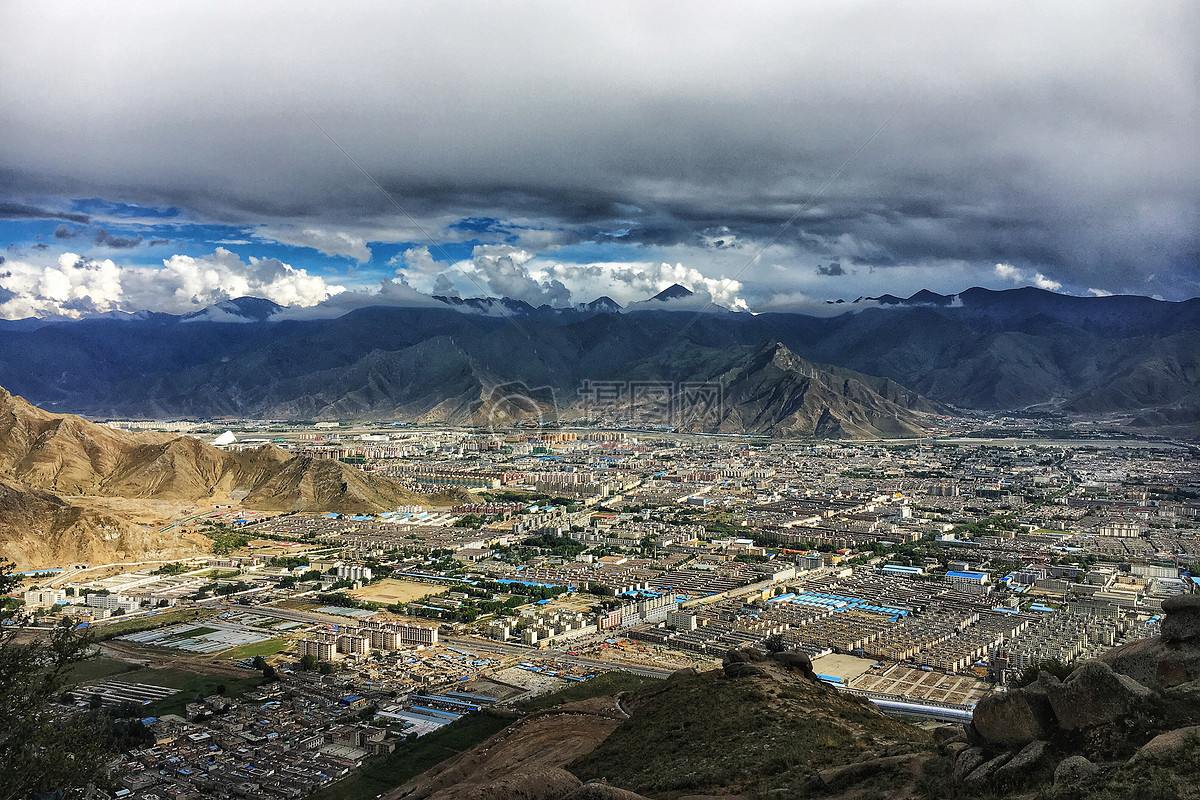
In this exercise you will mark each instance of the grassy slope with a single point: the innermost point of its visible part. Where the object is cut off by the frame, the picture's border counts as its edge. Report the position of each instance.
(755, 735)
(97, 669)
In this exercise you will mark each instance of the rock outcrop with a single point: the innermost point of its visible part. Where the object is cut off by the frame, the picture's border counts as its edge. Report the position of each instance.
(742, 662)
(1168, 743)
(1073, 770)
(1183, 618)
(1014, 718)
(1171, 659)
(1093, 695)
(1141, 699)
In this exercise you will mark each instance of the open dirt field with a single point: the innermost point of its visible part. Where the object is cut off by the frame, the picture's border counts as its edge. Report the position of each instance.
(391, 591)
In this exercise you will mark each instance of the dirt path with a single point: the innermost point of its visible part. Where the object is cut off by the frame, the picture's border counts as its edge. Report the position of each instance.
(538, 744)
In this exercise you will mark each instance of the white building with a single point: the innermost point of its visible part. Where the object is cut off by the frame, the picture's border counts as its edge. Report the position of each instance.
(44, 598)
(113, 602)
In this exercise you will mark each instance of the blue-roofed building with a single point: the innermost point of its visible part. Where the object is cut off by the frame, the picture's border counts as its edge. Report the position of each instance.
(958, 576)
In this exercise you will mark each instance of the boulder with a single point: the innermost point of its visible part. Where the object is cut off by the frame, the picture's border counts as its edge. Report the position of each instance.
(735, 656)
(1094, 695)
(1182, 623)
(1156, 662)
(984, 774)
(742, 669)
(744, 655)
(949, 733)
(754, 654)
(1030, 758)
(954, 748)
(1167, 743)
(1014, 718)
(1184, 694)
(798, 661)
(1074, 770)
(680, 674)
(968, 761)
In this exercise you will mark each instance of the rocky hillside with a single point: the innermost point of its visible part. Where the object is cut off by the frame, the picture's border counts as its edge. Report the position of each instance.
(51, 463)
(1117, 727)
(769, 389)
(1123, 727)
(40, 529)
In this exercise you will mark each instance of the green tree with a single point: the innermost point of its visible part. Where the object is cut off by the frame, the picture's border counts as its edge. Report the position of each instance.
(268, 672)
(41, 753)
(308, 662)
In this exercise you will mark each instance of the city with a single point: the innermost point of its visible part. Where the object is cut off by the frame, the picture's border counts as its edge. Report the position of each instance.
(921, 575)
(599, 401)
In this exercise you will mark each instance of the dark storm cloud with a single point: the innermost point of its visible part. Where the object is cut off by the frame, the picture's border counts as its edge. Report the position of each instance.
(832, 269)
(63, 232)
(105, 239)
(10, 210)
(1059, 138)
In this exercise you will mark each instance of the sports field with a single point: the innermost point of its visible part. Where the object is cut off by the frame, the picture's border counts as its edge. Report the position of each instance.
(391, 591)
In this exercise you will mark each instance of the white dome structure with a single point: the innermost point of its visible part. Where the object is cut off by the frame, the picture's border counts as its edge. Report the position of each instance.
(226, 438)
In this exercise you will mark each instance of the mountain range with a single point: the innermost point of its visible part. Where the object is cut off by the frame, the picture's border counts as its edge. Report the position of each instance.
(879, 369)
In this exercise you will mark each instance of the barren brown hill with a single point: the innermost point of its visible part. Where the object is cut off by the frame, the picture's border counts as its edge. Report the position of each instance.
(46, 457)
(40, 529)
(303, 483)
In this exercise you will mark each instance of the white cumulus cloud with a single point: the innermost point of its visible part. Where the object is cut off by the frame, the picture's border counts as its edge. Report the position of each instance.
(74, 286)
(1010, 273)
(1042, 282)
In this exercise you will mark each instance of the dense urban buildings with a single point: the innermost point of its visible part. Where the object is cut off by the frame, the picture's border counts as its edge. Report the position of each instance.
(922, 575)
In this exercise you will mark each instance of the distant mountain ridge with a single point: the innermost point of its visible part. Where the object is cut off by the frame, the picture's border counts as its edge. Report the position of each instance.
(673, 292)
(979, 349)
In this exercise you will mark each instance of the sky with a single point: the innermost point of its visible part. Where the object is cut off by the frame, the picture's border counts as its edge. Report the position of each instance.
(773, 156)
